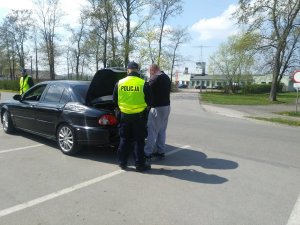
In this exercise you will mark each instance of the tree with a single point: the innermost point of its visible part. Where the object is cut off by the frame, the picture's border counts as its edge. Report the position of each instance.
(279, 27)
(49, 14)
(78, 36)
(35, 39)
(165, 9)
(127, 9)
(178, 37)
(19, 23)
(147, 44)
(7, 43)
(101, 14)
(234, 59)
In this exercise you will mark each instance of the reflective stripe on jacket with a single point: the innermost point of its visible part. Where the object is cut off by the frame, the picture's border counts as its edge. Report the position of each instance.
(24, 85)
(131, 97)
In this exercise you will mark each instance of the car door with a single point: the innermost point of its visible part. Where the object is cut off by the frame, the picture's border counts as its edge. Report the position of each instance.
(24, 112)
(50, 108)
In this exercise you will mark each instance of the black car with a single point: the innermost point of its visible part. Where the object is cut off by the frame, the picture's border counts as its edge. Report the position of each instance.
(182, 86)
(200, 87)
(74, 113)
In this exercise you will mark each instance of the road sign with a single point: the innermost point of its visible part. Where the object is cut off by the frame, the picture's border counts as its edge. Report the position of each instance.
(296, 76)
(296, 85)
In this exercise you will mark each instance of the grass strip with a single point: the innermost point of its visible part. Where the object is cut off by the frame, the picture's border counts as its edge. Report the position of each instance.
(278, 120)
(293, 114)
(242, 99)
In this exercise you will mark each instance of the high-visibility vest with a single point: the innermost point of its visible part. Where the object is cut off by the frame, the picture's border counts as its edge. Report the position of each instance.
(24, 86)
(131, 97)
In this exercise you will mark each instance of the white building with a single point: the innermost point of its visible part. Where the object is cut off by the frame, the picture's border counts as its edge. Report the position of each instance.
(200, 78)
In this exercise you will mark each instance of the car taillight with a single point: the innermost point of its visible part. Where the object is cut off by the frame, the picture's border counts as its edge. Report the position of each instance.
(108, 120)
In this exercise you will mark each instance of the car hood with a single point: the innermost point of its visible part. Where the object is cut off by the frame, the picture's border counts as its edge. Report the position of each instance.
(103, 84)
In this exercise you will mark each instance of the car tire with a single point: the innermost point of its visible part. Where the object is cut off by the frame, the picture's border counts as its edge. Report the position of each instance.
(66, 140)
(7, 123)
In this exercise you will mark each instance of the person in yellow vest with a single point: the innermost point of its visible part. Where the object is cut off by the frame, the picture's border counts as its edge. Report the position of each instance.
(133, 96)
(26, 82)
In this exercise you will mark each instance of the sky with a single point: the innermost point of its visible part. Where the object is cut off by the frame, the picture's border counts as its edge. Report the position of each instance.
(209, 23)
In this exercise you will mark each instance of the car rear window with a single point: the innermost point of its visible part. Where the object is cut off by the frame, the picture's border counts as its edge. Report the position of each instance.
(80, 92)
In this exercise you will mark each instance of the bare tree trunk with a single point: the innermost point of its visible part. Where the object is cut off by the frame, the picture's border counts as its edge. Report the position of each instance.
(159, 43)
(127, 40)
(36, 61)
(105, 50)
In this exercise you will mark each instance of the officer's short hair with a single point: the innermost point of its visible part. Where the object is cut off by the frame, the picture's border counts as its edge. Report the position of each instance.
(133, 65)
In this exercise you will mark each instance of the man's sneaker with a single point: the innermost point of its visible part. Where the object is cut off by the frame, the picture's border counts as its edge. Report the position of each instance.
(159, 155)
(142, 168)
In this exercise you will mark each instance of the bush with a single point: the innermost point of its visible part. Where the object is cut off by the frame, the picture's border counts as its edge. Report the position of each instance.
(12, 85)
(260, 88)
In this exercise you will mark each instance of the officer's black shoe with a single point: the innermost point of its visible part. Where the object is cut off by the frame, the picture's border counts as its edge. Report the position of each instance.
(159, 155)
(148, 160)
(142, 168)
(123, 167)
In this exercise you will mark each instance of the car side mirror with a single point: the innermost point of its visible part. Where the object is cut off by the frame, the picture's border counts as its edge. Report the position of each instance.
(17, 97)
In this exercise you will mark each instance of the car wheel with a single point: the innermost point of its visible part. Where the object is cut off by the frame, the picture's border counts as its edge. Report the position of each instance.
(66, 140)
(7, 123)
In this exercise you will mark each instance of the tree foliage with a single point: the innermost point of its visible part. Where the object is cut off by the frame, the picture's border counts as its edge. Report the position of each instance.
(165, 10)
(234, 59)
(49, 13)
(278, 23)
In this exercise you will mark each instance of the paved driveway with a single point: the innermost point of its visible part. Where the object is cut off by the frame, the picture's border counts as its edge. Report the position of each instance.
(218, 171)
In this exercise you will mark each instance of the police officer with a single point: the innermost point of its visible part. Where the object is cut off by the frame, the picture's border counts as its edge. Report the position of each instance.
(132, 95)
(26, 82)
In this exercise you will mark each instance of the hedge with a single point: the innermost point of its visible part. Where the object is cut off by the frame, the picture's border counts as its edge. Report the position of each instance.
(260, 88)
(12, 85)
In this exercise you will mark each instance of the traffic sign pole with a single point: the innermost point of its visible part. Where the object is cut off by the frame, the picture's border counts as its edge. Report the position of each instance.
(296, 78)
(297, 101)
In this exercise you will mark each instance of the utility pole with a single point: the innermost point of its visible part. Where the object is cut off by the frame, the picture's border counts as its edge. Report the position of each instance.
(31, 66)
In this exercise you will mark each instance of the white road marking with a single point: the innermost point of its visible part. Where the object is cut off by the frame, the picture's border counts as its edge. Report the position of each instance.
(21, 148)
(177, 149)
(295, 215)
(68, 190)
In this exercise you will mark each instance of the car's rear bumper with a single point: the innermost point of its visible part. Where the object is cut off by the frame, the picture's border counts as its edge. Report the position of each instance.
(97, 136)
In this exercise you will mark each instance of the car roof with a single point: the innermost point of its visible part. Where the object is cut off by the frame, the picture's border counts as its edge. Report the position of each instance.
(70, 83)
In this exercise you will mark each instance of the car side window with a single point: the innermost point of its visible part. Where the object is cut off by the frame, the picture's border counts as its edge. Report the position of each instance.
(65, 97)
(35, 93)
(54, 93)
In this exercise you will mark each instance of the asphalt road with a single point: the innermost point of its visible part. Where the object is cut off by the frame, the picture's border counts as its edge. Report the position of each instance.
(219, 171)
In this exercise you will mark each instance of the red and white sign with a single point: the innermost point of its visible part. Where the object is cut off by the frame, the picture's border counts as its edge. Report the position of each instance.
(296, 76)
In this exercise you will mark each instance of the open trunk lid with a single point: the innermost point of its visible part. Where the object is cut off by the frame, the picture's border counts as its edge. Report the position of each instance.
(100, 91)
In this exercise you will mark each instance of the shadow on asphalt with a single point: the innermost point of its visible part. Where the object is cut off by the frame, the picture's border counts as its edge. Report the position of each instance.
(183, 158)
(190, 157)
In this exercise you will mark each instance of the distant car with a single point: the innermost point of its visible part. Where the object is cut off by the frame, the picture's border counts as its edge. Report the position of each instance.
(198, 87)
(65, 111)
(218, 87)
(182, 86)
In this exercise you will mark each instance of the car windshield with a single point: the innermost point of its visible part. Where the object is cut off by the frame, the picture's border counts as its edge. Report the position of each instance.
(80, 91)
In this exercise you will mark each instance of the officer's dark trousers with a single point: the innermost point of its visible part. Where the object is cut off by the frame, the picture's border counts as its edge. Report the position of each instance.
(132, 137)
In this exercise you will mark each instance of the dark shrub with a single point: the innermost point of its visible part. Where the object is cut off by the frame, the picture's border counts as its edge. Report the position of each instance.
(260, 88)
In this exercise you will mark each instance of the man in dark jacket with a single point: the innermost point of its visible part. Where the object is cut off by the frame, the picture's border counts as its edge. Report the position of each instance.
(133, 96)
(160, 85)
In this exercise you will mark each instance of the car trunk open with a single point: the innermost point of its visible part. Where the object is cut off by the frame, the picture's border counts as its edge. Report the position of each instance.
(100, 91)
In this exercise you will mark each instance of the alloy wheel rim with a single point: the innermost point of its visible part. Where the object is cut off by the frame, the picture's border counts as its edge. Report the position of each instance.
(65, 139)
(5, 121)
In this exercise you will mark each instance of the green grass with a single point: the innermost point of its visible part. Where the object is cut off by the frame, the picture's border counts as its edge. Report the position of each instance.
(279, 120)
(14, 91)
(241, 99)
(294, 114)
